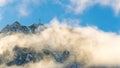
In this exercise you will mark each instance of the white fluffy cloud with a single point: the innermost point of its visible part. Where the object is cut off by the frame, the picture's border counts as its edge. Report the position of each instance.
(78, 6)
(88, 46)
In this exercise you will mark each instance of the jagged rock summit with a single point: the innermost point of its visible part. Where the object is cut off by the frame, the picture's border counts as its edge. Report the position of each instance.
(17, 27)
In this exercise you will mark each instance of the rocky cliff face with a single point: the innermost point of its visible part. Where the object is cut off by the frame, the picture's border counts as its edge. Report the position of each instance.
(22, 56)
(17, 27)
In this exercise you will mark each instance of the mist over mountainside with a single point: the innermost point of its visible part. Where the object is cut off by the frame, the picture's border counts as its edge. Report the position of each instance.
(57, 46)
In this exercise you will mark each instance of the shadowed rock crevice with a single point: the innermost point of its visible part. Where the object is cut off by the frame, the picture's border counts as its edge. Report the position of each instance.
(57, 56)
(60, 57)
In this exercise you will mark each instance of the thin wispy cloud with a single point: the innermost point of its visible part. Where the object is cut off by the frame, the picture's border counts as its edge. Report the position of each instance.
(79, 6)
(23, 9)
(4, 2)
(25, 6)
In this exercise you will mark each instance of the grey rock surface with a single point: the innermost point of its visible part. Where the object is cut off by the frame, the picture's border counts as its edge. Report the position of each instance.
(24, 56)
(60, 57)
(17, 27)
(74, 65)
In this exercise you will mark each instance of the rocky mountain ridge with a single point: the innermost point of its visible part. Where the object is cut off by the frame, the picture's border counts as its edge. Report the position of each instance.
(17, 27)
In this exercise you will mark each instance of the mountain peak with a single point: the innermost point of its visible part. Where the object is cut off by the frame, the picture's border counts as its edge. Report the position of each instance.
(17, 27)
(16, 23)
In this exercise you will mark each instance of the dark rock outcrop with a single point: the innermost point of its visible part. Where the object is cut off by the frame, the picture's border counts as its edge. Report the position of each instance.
(23, 56)
(74, 65)
(6, 29)
(46, 52)
(60, 57)
(17, 27)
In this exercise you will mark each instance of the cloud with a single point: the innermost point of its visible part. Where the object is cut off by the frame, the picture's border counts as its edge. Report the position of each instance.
(88, 46)
(4, 2)
(23, 11)
(24, 7)
(79, 6)
(72, 22)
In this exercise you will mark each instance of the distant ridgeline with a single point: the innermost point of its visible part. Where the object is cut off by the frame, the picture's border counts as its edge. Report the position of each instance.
(17, 27)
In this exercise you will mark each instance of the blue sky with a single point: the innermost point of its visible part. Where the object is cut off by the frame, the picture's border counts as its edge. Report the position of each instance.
(104, 14)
